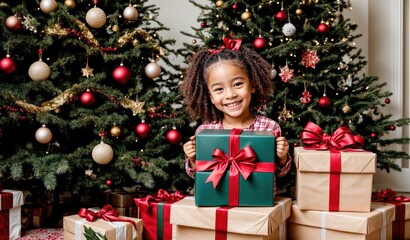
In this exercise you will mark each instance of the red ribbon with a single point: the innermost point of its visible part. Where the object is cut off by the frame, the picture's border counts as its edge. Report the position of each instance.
(5, 224)
(221, 223)
(313, 138)
(6, 200)
(107, 213)
(228, 43)
(161, 196)
(390, 196)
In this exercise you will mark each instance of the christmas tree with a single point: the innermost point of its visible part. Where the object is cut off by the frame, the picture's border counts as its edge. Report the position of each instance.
(85, 104)
(316, 67)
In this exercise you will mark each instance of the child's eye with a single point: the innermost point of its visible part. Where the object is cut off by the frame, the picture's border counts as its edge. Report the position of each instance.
(217, 89)
(238, 84)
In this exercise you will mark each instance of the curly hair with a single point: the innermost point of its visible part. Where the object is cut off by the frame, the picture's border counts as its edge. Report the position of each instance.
(195, 89)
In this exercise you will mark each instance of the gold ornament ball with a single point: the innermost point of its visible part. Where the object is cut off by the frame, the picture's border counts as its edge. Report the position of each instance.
(95, 17)
(39, 71)
(130, 13)
(299, 12)
(115, 131)
(48, 6)
(70, 4)
(43, 135)
(219, 3)
(346, 109)
(246, 15)
(102, 153)
(152, 70)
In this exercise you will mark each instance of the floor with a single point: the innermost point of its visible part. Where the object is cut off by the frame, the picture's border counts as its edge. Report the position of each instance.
(43, 234)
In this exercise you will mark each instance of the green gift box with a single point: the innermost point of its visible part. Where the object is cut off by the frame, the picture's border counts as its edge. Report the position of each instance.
(235, 168)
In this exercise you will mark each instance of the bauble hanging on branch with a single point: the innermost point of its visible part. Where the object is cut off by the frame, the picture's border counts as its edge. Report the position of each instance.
(121, 74)
(96, 17)
(7, 65)
(13, 23)
(102, 153)
(260, 43)
(70, 4)
(324, 102)
(153, 70)
(48, 6)
(43, 135)
(39, 71)
(130, 13)
(281, 16)
(87, 99)
(143, 130)
(173, 136)
(323, 28)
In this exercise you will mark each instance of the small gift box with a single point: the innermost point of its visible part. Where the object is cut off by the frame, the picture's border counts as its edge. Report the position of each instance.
(332, 173)
(401, 224)
(230, 223)
(324, 225)
(122, 199)
(155, 214)
(235, 168)
(10, 214)
(106, 222)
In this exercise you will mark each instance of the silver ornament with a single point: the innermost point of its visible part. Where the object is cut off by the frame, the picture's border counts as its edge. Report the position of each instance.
(48, 6)
(130, 13)
(102, 153)
(43, 135)
(95, 17)
(288, 29)
(39, 71)
(152, 70)
(273, 73)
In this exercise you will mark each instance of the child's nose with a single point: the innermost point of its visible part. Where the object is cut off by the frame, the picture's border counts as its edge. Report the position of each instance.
(230, 93)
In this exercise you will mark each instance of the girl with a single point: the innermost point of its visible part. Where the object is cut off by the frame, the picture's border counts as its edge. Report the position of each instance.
(225, 88)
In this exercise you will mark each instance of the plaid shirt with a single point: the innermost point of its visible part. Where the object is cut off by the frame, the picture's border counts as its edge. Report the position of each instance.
(261, 123)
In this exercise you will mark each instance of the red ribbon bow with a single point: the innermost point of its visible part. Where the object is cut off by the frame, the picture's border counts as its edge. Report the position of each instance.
(387, 195)
(343, 138)
(228, 43)
(161, 196)
(107, 213)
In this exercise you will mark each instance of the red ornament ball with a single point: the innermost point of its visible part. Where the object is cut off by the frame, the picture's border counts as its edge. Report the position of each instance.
(121, 75)
(323, 28)
(203, 24)
(373, 135)
(7, 65)
(87, 99)
(108, 182)
(387, 100)
(392, 128)
(324, 102)
(260, 43)
(234, 7)
(173, 136)
(281, 16)
(143, 130)
(13, 23)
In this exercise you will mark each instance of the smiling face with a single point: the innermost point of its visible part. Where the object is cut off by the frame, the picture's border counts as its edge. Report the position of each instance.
(230, 90)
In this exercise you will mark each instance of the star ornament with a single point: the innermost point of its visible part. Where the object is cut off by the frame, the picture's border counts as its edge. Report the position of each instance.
(284, 114)
(310, 58)
(286, 74)
(305, 99)
(87, 71)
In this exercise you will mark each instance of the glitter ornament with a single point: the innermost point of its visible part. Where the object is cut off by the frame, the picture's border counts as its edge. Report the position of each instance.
(48, 6)
(153, 70)
(95, 17)
(288, 29)
(39, 71)
(324, 102)
(309, 58)
(286, 74)
(7, 65)
(102, 153)
(43, 135)
(130, 13)
(13, 23)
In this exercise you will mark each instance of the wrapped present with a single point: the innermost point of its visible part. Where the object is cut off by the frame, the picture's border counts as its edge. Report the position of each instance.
(10, 214)
(235, 168)
(401, 224)
(106, 222)
(154, 210)
(231, 223)
(333, 174)
(122, 199)
(324, 225)
(127, 211)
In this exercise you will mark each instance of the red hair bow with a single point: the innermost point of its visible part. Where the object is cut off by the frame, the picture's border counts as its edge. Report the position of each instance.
(228, 43)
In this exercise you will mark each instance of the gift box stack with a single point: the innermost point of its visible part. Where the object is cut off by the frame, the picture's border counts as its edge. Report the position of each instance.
(10, 214)
(103, 222)
(123, 202)
(234, 189)
(334, 189)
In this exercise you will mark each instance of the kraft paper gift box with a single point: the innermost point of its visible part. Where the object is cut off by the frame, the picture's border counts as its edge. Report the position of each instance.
(324, 225)
(10, 214)
(401, 224)
(121, 229)
(154, 210)
(334, 180)
(122, 199)
(230, 223)
(235, 168)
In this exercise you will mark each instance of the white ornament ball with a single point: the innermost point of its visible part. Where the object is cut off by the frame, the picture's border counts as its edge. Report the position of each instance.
(43, 135)
(130, 13)
(95, 17)
(48, 6)
(273, 73)
(39, 71)
(153, 70)
(288, 29)
(102, 153)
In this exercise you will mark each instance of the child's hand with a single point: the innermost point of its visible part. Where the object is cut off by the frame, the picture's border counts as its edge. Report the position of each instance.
(190, 151)
(282, 150)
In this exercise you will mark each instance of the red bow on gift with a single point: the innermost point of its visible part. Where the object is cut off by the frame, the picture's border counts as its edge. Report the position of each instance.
(343, 138)
(388, 195)
(161, 196)
(228, 43)
(107, 213)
